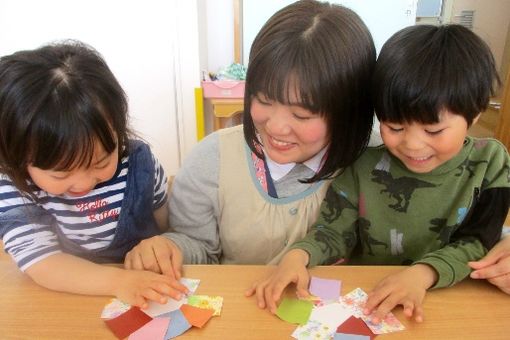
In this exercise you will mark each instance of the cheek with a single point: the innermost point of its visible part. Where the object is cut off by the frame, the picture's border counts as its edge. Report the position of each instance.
(315, 132)
(259, 114)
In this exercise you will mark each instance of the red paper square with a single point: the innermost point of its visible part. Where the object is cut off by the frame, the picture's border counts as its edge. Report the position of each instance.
(353, 325)
(128, 322)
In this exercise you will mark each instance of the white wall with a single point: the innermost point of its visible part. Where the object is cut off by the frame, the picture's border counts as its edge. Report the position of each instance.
(383, 17)
(151, 46)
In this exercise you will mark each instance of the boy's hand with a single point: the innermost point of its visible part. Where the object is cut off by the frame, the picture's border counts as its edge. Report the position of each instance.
(292, 268)
(406, 288)
(157, 254)
(495, 266)
(137, 287)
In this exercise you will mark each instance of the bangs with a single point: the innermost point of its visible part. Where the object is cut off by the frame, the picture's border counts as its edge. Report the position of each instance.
(284, 76)
(68, 141)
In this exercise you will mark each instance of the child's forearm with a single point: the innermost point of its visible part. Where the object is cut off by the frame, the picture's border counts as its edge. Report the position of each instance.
(68, 273)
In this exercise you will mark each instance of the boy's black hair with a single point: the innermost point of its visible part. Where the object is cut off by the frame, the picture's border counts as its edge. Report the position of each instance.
(55, 103)
(424, 69)
(328, 52)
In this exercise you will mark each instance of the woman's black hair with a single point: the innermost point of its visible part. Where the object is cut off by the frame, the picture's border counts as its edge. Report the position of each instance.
(329, 53)
(56, 102)
(424, 69)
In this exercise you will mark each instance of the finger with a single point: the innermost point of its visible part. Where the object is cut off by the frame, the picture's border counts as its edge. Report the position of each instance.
(153, 295)
(384, 308)
(128, 261)
(176, 265)
(177, 285)
(408, 308)
(259, 293)
(272, 294)
(418, 314)
(163, 259)
(492, 271)
(374, 299)
(149, 261)
(141, 302)
(492, 257)
(136, 261)
(250, 291)
(502, 282)
(302, 286)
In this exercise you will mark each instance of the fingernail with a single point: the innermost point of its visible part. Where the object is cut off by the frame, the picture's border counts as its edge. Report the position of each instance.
(474, 275)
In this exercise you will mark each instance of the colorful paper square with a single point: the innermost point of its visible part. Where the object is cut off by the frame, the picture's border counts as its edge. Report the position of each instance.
(114, 308)
(354, 325)
(154, 330)
(127, 323)
(325, 289)
(207, 302)
(197, 317)
(294, 311)
(313, 330)
(178, 324)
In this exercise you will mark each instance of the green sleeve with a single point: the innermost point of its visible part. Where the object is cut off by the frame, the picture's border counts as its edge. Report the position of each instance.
(333, 236)
(450, 262)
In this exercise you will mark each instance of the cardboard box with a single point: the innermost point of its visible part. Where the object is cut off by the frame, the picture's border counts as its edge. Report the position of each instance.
(223, 89)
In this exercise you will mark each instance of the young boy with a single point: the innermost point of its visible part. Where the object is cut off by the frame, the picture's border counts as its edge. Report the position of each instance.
(431, 197)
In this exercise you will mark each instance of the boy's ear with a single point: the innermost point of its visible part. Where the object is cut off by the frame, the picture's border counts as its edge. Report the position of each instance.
(476, 119)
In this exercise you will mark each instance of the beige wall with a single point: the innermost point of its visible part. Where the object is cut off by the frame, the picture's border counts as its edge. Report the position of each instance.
(491, 22)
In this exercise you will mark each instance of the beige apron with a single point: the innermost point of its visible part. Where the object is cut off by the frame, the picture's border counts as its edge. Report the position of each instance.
(256, 228)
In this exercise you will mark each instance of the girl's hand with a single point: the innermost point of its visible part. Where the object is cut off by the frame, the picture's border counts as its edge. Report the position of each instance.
(406, 288)
(157, 254)
(292, 268)
(137, 287)
(495, 266)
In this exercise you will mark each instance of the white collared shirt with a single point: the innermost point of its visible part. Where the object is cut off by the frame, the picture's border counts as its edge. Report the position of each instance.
(278, 171)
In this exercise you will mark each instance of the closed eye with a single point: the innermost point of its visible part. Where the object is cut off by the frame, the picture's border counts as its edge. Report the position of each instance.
(435, 132)
(395, 129)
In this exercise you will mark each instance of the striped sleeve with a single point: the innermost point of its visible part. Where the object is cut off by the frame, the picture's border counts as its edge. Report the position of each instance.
(26, 230)
(160, 184)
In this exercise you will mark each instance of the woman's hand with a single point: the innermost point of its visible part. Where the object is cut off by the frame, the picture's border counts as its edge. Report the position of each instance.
(495, 266)
(157, 254)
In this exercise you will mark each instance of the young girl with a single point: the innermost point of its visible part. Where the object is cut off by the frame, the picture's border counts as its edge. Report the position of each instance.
(431, 198)
(246, 193)
(74, 189)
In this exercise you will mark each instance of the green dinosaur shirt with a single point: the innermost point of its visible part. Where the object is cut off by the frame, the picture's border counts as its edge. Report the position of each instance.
(380, 213)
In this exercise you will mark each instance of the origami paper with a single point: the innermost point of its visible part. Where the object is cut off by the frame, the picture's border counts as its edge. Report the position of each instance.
(154, 330)
(196, 316)
(125, 324)
(344, 336)
(114, 308)
(355, 300)
(156, 309)
(313, 330)
(390, 324)
(325, 289)
(294, 310)
(354, 325)
(191, 284)
(332, 315)
(178, 324)
(207, 302)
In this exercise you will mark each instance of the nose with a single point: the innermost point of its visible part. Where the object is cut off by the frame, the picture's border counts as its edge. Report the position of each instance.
(86, 182)
(279, 122)
(413, 140)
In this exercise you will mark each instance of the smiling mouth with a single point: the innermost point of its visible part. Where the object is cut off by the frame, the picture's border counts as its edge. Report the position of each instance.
(82, 193)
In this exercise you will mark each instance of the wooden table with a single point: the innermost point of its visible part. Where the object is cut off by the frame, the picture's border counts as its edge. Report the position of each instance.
(470, 310)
